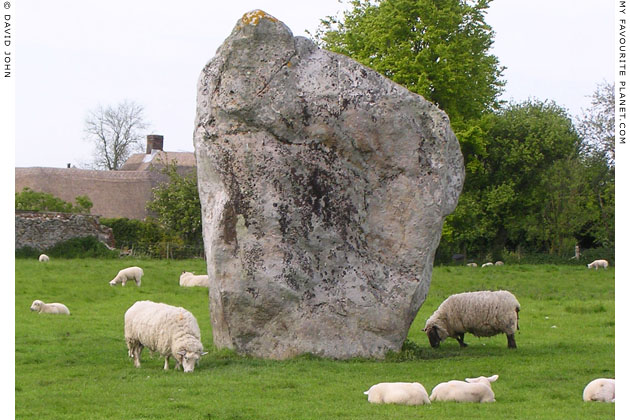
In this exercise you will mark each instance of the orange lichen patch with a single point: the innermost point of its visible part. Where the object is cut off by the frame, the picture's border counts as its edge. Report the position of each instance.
(253, 17)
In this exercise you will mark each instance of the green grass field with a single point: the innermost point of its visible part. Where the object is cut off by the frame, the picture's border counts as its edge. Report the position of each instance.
(76, 367)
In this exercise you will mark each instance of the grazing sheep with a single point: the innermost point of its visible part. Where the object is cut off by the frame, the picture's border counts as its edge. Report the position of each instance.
(488, 264)
(473, 390)
(483, 314)
(602, 389)
(398, 393)
(171, 331)
(44, 258)
(597, 264)
(188, 279)
(126, 274)
(498, 263)
(472, 264)
(49, 308)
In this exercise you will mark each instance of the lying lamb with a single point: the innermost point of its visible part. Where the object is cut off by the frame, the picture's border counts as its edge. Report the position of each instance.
(171, 331)
(44, 258)
(472, 264)
(488, 264)
(398, 393)
(129, 273)
(602, 389)
(473, 390)
(597, 264)
(49, 308)
(483, 314)
(188, 279)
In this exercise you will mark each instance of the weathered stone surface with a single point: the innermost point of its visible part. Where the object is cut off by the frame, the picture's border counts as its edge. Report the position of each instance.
(323, 187)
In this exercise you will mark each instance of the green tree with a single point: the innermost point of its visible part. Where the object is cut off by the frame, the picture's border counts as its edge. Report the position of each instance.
(597, 124)
(513, 158)
(27, 199)
(439, 50)
(176, 203)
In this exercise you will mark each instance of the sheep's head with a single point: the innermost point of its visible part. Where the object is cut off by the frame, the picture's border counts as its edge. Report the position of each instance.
(188, 359)
(435, 334)
(36, 305)
(483, 380)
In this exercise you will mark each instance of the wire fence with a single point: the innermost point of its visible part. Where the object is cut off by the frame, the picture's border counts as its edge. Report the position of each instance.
(162, 250)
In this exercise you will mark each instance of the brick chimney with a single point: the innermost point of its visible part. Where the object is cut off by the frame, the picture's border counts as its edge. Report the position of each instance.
(154, 142)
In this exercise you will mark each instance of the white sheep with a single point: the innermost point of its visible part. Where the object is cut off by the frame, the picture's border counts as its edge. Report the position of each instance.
(44, 258)
(498, 263)
(49, 308)
(488, 264)
(473, 390)
(472, 264)
(188, 279)
(407, 393)
(126, 274)
(171, 331)
(597, 264)
(483, 314)
(602, 389)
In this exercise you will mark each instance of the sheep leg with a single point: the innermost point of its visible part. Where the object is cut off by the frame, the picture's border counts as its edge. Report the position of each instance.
(137, 351)
(460, 340)
(511, 341)
(166, 363)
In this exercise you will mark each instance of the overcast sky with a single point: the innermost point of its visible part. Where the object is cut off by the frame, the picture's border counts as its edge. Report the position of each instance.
(72, 56)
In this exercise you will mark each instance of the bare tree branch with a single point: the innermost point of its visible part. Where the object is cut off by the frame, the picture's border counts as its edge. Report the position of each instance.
(116, 132)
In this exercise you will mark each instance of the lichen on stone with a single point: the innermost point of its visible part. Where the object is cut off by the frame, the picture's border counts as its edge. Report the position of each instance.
(253, 17)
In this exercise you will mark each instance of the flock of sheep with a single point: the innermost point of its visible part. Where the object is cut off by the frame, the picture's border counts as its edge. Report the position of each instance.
(174, 332)
(168, 330)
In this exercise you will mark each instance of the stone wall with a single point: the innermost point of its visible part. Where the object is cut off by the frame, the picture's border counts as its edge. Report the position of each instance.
(41, 230)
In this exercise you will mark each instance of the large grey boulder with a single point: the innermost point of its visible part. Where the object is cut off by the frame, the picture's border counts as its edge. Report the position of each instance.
(323, 189)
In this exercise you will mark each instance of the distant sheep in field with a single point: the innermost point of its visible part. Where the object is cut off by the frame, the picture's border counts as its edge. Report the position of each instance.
(488, 264)
(472, 264)
(171, 331)
(188, 279)
(49, 308)
(398, 393)
(126, 274)
(473, 390)
(483, 314)
(598, 264)
(44, 258)
(498, 263)
(602, 389)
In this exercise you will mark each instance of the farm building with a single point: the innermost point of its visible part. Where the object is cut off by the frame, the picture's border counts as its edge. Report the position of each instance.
(122, 193)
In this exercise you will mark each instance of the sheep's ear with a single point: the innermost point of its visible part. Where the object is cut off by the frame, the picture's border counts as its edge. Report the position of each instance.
(203, 354)
(493, 378)
(182, 352)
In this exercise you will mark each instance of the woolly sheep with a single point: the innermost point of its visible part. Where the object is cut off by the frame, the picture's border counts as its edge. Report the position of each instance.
(44, 258)
(171, 331)
(602, 389)
(398, 393)
(472, 264)
(488, 264)
(188, 279)
(483, 314)
(498, 263)
(473, 390)
(597, 264)
(126, 274)
(49, 308)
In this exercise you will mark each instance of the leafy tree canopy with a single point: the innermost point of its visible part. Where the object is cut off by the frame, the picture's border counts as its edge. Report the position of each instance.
(438, 49)
(31, 200)
(176, 203)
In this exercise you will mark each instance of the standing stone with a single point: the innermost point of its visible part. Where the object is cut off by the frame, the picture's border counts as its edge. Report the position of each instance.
(323, 189)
